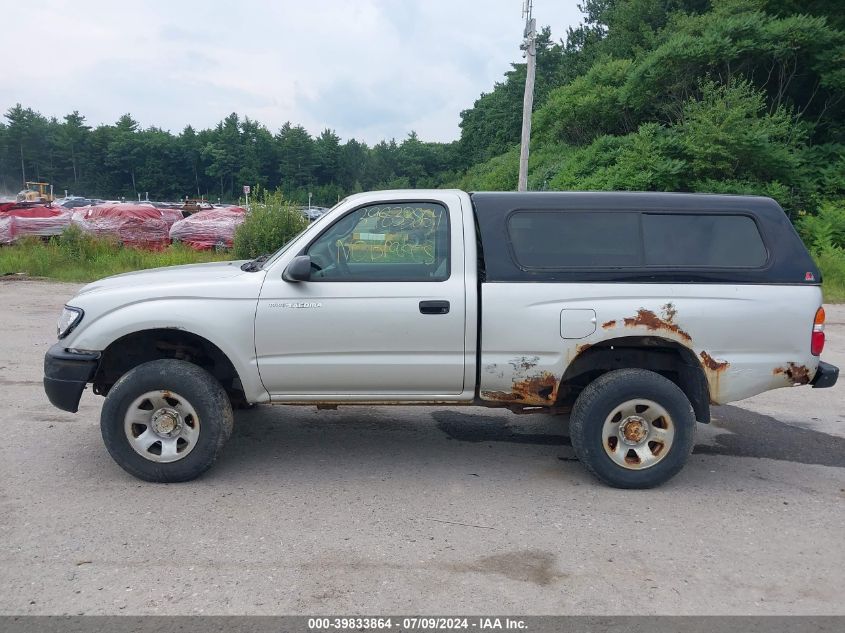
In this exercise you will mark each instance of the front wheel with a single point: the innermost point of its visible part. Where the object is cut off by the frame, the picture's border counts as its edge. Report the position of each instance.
(632, 428)
(166, 421)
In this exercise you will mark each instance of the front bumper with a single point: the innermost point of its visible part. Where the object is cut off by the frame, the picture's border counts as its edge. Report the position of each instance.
(66, 374)
(826, 375)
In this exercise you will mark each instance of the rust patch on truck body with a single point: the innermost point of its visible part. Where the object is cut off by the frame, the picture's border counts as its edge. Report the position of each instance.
(713, 370)
(524, 363)
(712, 364)
(539, 389)
(797, 374)
(609, 324)
(650, 321)
(498, 396)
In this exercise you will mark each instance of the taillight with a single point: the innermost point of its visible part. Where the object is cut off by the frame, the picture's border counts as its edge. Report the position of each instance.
(817, 340)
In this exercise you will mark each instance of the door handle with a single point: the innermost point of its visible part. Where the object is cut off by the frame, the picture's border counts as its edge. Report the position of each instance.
(434, 307)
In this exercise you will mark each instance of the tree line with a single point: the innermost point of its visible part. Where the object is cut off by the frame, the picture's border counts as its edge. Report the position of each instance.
(125, 160)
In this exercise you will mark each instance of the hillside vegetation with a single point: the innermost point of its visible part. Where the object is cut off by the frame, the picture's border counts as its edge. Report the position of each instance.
(739, 96)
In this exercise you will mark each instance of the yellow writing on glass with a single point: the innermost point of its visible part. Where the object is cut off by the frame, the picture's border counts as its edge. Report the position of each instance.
(392, 234)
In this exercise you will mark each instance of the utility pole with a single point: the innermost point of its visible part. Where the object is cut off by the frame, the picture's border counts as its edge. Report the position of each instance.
(530, 55)
(23, 167)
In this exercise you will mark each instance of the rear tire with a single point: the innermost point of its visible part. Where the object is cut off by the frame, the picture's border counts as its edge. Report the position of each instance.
(632, 428)
(166, 421)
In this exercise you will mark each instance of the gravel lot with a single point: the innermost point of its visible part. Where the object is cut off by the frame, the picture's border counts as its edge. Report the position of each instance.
(400, 510)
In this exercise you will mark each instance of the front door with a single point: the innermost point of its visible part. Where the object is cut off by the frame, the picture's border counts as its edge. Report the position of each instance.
(382, 315)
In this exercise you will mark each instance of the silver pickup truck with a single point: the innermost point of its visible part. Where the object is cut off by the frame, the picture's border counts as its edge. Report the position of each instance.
(630, 312)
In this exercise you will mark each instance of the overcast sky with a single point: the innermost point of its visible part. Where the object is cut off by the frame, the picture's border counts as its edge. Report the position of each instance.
(370, 69)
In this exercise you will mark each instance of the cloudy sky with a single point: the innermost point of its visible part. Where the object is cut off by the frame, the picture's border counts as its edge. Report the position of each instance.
(370, 69)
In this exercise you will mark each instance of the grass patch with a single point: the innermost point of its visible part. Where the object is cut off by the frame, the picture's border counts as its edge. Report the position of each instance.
(75, 256)
(831, 262)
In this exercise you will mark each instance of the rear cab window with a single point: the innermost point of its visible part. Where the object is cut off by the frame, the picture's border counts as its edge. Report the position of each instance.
(711, 240)
(634, 239)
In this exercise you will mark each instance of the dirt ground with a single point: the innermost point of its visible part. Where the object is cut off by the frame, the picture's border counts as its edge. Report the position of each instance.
(413, 510)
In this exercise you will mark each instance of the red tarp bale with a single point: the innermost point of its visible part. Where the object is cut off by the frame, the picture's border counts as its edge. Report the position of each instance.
(171, 216)
(141, 226)
(209, 229)
(17, 222)
(5, 228)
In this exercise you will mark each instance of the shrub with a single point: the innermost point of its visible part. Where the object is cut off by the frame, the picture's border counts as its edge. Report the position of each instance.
(269, 225)
(824, 230)
(824, 235)
(640, 161)
(497, 174)
(591, 106)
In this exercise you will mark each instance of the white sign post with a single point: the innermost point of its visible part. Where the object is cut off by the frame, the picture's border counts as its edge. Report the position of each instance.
(246, 193)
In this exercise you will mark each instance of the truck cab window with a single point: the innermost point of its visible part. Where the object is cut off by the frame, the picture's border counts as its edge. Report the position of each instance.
(406, 241)
(575, 239)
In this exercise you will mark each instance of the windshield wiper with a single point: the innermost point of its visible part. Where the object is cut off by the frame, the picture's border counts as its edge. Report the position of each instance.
(254, 265)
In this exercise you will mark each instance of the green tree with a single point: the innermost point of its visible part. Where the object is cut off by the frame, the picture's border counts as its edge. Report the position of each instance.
(27, 137)
(296, 160)
(223, 154)
(72, 136)
(123, 154)
(259, 154)
(326, 157)
(190, 148)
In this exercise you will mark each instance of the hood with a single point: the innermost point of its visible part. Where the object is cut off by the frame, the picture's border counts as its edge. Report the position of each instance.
(182, 297)
(186, 275)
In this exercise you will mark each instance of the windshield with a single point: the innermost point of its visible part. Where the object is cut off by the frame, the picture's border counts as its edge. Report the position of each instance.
(287, 244)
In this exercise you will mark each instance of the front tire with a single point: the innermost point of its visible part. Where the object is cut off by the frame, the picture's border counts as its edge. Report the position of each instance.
(632, 428)
(166, 421)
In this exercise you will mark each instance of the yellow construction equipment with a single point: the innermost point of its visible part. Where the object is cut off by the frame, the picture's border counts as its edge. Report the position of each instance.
(37, 192)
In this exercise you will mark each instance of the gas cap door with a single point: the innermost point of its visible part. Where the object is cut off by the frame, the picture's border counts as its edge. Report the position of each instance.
(578, 323)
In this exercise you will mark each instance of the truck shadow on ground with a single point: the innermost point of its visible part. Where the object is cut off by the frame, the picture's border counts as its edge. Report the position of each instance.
(754, 435)
(468, 427)
(746, 434)
(383, 436)
(749, 435)
(734, 432)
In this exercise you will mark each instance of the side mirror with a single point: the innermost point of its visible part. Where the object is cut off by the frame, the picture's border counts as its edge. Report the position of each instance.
(299, 269)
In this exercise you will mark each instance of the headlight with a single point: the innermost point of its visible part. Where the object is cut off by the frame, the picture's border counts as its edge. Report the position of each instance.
(68, 320)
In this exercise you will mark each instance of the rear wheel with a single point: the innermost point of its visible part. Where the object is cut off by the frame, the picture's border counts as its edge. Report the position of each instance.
(166, 421)
(632, 428)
